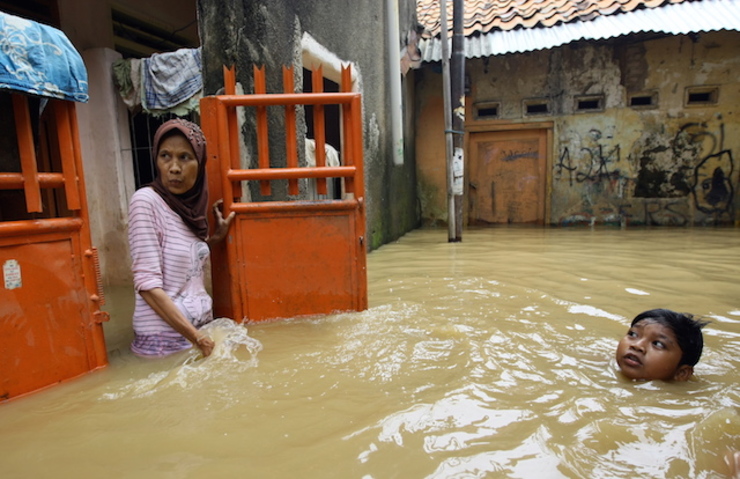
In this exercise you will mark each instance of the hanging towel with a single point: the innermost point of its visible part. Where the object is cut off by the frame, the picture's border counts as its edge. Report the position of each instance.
(170, 78)
(40, 60)
(127, 77)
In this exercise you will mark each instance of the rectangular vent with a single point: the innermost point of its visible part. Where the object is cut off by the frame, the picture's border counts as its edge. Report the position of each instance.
(643, 100)
(589, 103)
(536, 107)
(702, 96)
(486, 110)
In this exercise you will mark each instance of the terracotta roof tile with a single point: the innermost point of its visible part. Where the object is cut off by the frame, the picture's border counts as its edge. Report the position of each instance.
(483, 16)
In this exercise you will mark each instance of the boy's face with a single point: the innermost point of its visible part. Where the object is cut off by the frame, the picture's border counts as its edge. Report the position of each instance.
(650, 351)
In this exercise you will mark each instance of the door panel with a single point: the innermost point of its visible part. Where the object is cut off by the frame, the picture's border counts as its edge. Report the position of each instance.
(42, 315)
(507, 177)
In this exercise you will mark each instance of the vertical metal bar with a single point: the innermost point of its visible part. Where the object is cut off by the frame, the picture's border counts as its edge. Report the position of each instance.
(96, 349)
(229, 80)
(66, 152)
(263, 146)
(357, 147)
(319, 128)
(359, 214)
(234, 158)
(291, 147)
(238, 304)
(457, 82)
(347, 137)
(27, 153)
(449, 152)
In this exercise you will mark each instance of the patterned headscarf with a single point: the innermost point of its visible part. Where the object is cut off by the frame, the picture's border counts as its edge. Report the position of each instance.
(191, 206)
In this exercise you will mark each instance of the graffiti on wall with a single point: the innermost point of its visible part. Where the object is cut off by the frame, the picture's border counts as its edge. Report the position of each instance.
(711, 183)
(600, 161)
(670, 172)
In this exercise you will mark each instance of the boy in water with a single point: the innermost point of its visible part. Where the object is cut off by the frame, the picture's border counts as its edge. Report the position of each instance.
(661, 344)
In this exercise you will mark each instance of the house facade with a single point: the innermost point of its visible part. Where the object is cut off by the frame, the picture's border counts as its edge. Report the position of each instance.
(601, 114)
(115, 137)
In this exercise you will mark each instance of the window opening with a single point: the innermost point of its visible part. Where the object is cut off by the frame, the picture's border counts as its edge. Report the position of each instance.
(644, 100)
(699, 96)
(536, 107)
(487, 110)
(590, 103)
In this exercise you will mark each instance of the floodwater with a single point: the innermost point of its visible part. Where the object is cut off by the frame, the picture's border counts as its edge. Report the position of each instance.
(487, 358)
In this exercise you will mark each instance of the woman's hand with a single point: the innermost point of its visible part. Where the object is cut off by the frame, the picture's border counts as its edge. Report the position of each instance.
(171, 314)
(222, 224)
(205, 344)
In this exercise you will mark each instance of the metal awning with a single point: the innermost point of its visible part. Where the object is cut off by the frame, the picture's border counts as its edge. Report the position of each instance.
(682, 18)
(40, 60)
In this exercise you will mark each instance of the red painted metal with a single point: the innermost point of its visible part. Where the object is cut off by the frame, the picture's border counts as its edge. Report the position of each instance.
(51, 293)
(295, 257)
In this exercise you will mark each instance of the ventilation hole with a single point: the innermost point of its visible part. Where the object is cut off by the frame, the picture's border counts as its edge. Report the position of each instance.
(487, 112)
(536, 108)
(641, 100)
(702, 95)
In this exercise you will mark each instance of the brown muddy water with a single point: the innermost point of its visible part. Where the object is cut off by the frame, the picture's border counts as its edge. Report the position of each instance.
(487, 358)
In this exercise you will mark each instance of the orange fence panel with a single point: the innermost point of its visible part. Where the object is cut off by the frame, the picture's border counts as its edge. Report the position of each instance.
(294, 257)
(51, 292)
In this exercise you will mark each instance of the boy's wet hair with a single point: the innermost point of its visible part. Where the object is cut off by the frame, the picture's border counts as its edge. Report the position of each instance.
(686, 328)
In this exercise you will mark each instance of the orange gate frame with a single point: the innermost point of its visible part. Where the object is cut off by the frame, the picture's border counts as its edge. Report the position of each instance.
(51, 294)
(286, 258)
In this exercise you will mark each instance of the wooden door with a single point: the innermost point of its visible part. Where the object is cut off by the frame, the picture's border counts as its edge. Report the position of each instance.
(507, 177)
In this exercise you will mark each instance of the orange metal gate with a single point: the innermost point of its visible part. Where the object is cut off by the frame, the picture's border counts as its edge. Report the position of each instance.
(50, 297)
(287, 258)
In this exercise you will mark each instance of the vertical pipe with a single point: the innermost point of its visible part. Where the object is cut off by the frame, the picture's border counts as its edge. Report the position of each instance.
(457, 77)
(448, 121)
(394, 80)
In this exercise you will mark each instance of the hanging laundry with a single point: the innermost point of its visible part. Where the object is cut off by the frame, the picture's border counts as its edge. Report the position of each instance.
(169, 79)
(127, 77)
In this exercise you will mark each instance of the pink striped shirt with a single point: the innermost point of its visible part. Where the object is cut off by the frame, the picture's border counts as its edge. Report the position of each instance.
(166, 254)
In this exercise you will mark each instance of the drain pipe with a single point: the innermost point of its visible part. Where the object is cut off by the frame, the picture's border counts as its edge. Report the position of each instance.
(394, 80)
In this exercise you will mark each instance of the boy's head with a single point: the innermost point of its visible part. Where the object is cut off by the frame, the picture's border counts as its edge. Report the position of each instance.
(661, 344)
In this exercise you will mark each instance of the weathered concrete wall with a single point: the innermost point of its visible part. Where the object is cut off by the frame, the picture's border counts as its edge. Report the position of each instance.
(269, 33)
(666, 164)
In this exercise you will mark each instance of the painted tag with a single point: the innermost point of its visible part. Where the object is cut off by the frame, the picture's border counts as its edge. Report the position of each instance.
(12, 274)
(457, 172)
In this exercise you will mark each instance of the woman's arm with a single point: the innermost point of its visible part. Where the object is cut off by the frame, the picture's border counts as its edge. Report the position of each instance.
(158, 300)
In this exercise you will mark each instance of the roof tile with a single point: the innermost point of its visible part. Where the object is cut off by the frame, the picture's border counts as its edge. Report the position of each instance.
(484, 16)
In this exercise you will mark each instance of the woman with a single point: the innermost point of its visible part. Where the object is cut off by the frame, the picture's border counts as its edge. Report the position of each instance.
(168, 239)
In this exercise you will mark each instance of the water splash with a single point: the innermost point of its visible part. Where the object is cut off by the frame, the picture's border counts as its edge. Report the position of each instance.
(235, 352)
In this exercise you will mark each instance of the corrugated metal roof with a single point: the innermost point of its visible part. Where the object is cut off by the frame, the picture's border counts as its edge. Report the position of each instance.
(682, 18)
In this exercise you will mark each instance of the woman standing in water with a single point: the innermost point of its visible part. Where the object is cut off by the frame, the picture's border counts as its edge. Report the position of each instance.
(169, 243)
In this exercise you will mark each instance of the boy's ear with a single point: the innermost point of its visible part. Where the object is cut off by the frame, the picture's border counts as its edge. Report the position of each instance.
(683, 373)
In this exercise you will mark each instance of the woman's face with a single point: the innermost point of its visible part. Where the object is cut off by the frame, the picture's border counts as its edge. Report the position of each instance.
(177, 164)
(649, 350)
